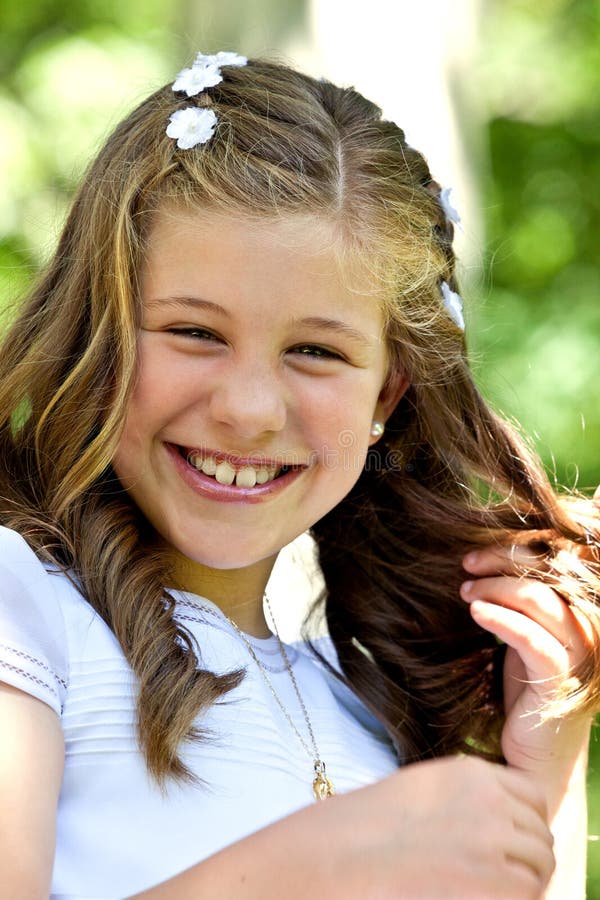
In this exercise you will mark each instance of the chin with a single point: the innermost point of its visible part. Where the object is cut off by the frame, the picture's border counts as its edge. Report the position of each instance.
(224, 558)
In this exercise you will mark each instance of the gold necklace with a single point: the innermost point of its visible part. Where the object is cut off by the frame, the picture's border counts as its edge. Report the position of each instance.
(322, 786)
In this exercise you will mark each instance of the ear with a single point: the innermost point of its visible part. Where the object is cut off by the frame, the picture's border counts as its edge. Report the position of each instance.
(391, 393)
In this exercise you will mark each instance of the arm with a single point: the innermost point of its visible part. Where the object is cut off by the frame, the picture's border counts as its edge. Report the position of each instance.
(31, 766)
(379, 841)
(546, 639)
(568, 821)
(370, 843)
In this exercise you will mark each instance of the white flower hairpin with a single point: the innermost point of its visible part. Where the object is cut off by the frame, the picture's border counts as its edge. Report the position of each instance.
(451, 212)
(195, 80)
(222, 58)
(193, 125)
(453, 305)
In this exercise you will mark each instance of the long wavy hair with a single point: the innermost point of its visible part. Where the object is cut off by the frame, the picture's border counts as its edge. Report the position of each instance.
(448, 475)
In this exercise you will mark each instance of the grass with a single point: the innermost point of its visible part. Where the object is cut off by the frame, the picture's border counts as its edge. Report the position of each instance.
(594, 817)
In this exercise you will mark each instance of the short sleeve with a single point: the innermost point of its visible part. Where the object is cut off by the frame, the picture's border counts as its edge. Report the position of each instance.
(33, 637)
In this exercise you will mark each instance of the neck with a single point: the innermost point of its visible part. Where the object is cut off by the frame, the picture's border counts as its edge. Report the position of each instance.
(237, 592)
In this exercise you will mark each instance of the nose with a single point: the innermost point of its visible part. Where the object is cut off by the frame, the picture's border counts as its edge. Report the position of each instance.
(249, 398)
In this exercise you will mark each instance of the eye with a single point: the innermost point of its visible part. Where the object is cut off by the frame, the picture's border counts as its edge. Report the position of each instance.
(315, 351)
(199, 334)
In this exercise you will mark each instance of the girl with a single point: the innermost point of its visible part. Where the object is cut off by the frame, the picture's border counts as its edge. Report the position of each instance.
(251, 328)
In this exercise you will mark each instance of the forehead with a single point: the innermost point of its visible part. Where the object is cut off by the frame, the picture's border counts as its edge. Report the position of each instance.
(294, 260)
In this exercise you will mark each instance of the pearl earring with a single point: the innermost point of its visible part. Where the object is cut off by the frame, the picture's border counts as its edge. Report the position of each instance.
(377, 429)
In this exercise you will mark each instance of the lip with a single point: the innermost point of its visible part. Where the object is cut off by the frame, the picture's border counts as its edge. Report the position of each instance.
(207, 487)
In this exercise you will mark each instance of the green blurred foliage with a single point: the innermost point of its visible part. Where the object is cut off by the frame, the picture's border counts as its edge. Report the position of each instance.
(68, 74)
(537, 334)
(70, 71)
(538, 331)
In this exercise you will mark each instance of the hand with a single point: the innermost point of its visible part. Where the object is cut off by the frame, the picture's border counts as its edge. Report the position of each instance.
(546, 640)
(455, 828)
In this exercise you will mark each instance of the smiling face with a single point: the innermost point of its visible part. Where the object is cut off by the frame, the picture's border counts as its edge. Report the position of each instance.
(261, 368)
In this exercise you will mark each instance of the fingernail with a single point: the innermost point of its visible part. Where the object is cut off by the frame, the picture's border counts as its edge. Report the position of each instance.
(471, 558)
(465, 589)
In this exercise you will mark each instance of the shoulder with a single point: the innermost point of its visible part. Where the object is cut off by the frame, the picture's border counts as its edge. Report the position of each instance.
(17, 559)
(26, 580)
(33, 631)
(25, 583)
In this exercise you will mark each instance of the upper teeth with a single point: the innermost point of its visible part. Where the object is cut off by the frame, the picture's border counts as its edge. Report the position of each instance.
(225, 473)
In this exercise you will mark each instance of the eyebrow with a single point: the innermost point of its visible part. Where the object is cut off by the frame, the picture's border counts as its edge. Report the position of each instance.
(320, 323)
(335, 326)
(195, 302)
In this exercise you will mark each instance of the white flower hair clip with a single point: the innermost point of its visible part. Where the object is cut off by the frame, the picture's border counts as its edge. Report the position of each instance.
(451, 212)
(193, 125)
(222, 58)
(453, 305)
(195, 80)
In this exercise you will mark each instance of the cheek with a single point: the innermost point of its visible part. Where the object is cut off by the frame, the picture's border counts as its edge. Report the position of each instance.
(143, 419)
(341, 424)
(157, 376)
(159, 390)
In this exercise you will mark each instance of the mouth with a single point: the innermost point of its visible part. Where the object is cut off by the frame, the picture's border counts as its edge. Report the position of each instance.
(227, 471)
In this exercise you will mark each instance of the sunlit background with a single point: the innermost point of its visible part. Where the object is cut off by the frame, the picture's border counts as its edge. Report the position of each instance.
(501, 95)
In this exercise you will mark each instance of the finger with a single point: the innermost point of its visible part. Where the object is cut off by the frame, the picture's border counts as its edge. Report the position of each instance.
(525, 595)
(544, 657)
(530, 842)
(521, 882)
(532, 851)
(533, 864)
(540, 603)
(510, 559)
(529, 821)
(597, 495)
(531, 798)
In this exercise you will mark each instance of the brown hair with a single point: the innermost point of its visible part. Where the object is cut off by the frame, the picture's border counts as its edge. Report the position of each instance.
(449, 474)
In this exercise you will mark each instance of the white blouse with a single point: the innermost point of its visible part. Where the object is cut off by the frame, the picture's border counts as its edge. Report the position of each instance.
(117, 834)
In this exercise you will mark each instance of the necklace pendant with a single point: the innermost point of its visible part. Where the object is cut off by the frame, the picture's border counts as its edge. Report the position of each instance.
(322, 786)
